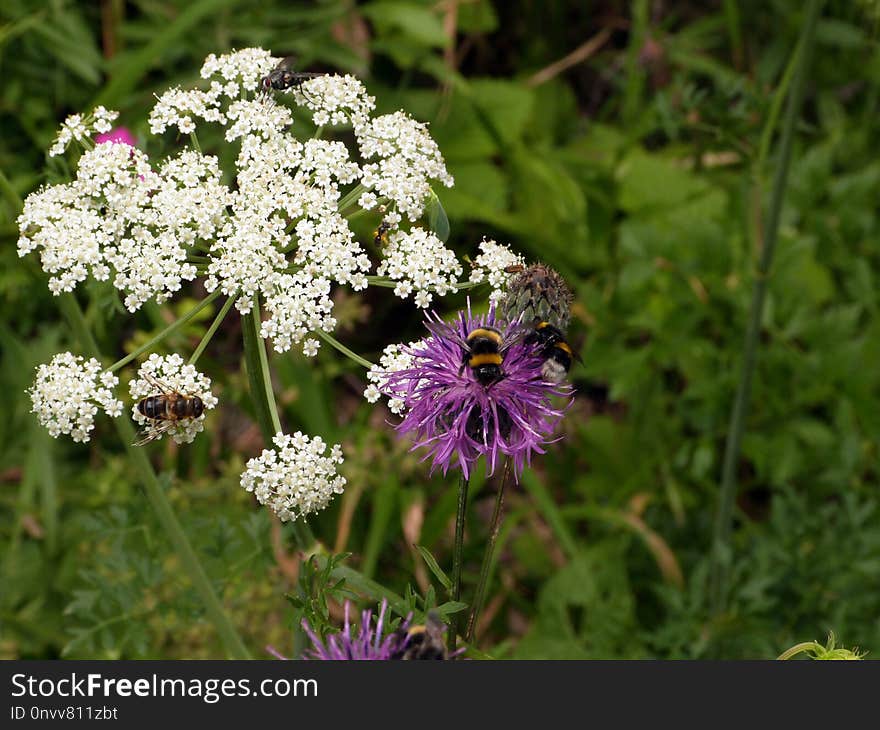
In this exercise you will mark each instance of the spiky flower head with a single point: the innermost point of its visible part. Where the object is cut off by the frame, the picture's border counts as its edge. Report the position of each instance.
(456, 417)
(538, 294)
(365, 644)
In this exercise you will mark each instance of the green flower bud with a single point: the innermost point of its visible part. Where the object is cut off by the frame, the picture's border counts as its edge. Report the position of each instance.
(538, 294)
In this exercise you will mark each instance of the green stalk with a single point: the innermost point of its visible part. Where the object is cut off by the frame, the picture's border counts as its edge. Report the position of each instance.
(235, 649)
(333, 342)
(177, 324)
(218, 320)
(457, 556)
(257, 365)
(722, 529)
(486, 567)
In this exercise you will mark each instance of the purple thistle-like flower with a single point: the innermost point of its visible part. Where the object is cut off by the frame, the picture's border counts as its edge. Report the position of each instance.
(367, 644)
(458, 418)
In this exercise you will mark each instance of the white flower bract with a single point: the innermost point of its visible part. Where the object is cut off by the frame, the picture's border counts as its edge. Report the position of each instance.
(68, 392)
(295, 479)
(163, 375)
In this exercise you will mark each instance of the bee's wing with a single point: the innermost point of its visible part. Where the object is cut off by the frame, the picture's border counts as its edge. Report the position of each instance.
(515, 334)
(151, 432)
(164, 387)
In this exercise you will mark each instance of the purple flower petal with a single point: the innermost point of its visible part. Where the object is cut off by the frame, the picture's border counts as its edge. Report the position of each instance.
(456, 418)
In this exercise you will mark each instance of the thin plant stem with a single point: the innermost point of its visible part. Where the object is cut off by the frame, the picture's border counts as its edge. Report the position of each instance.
(722, 529)
(177, 324)
(798, 649)
(488, 555)
(235, 648)
(352, 196)
(457, 555)
(257, 366)
(333, 342)
(218, 320)
(263, 395)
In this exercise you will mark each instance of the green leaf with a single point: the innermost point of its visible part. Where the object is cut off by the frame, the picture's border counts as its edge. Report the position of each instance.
(437, 219)
(416, 23)
(431, 562)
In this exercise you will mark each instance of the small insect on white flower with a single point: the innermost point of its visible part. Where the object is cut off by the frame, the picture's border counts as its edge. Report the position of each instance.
(67, 393)
(170, 397)
(494, 265)
(296, 478)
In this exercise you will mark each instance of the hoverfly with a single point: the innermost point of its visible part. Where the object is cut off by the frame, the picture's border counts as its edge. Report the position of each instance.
(166, 409)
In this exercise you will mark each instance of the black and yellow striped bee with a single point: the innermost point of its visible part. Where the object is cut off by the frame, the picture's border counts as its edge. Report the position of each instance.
(557, 353)
(167, 408)
(424, 641)
(483, 355)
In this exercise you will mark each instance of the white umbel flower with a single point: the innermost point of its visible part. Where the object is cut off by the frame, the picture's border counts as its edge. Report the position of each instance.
(68, 392)
(77, 127)
(394, 358)
(295, 479)
(408, 159)
(161, 375)
(491, 266)
(335, 100)
(419, 261)
(298, 305)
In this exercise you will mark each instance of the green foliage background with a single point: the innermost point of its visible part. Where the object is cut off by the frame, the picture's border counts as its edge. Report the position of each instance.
(642, 174)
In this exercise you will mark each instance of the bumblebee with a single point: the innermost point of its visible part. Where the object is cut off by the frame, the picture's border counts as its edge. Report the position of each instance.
(166, 409)
(482, 354)
(557, 353)
(284, 77)
(425, 641)
(479, 424)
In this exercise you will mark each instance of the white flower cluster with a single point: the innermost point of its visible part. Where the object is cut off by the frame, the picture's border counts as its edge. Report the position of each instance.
(78, 127)
(295, 479)
(335, 100)
(278, 228)
(169, 376)
(67, 393)
(394, 358)
(76, 225)
(492, 265)
(419, 262)
(408, 159)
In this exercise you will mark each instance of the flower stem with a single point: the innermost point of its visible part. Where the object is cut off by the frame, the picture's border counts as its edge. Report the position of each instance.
(235, 649)
(722, 529)
(177, 324)
(330, 340)
(457, 555)
(257, 366)
(486, 567)
(218, 320)
(352, 196)
(799, 649)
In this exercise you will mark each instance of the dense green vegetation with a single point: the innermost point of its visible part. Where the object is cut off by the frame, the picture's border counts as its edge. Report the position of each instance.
(631, 146)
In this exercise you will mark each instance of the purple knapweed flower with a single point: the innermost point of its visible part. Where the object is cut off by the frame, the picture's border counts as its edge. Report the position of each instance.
(367, 644)
(120, 135)
(458, 418)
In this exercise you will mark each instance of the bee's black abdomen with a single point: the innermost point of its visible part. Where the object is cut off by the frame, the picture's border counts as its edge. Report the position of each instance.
(477, 421)
(197, 406)
(180, 408)
(152, 407)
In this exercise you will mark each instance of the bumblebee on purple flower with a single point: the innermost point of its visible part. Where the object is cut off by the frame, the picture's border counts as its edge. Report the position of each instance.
(483, 385)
